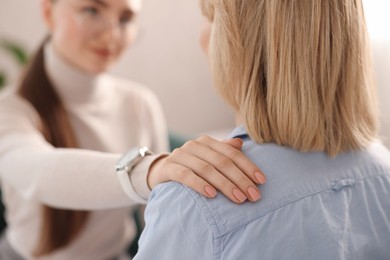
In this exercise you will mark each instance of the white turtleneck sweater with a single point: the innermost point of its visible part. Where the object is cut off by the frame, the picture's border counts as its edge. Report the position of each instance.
(109, 116)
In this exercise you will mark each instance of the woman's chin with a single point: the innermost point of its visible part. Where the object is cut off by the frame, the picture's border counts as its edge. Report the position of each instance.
(97, 69)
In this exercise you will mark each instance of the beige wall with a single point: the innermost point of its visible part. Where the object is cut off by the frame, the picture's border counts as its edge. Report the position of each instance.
(378, 19)
(381, 51)
(167, 58)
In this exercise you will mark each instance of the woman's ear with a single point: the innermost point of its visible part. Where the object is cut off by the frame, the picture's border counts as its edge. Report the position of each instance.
(205, 35)
(47, 13)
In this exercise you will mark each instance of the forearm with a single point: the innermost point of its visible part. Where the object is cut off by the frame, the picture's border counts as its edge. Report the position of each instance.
(65, 178)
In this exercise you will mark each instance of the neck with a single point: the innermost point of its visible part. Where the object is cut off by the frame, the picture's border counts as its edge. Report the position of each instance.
(237, 119)
(72, 84)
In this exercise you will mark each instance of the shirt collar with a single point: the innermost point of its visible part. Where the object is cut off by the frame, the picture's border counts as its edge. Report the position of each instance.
(239, 132)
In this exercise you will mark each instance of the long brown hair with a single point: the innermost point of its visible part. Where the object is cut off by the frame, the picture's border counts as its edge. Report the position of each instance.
(59, 226)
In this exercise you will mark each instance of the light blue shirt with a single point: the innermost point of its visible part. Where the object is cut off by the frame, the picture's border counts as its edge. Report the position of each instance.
(312, 207)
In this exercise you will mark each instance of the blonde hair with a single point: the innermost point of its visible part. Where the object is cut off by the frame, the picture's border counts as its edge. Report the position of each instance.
(297, 71)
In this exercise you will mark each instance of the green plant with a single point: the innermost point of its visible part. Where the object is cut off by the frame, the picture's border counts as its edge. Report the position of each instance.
(17, 52)
(20, 55)
(2, 79)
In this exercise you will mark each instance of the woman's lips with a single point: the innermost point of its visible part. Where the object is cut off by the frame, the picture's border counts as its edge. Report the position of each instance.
(104, 53)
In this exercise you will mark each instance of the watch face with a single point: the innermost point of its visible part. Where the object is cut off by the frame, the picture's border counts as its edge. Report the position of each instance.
(131, 158)
(128, 159)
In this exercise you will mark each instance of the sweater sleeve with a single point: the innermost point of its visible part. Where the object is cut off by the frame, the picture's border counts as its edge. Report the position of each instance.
(63, 178)
(154, 122)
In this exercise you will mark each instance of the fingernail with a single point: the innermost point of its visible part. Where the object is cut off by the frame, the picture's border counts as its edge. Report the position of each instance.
(210, 191)
(259, 177)
(239, 195)
(253, 194)
(239, 140)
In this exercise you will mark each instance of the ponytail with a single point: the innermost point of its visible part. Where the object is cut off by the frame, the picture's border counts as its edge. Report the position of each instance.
(59, 226)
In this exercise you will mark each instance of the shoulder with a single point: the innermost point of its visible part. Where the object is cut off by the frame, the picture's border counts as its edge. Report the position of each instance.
(176, 196)
(220, 214)
(187, 203)
(295, 179)
(306, 201)
(12, 105)
(178, 211)
(309, 195)
(314, 171)
(10, 99)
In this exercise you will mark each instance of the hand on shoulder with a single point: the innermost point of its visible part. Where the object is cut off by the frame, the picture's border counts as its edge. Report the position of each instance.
(207, 165)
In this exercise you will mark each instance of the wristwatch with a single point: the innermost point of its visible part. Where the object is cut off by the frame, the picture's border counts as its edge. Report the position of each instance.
(125, 165)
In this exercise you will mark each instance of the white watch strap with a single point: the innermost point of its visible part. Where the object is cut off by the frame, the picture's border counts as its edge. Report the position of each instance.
(128, 188)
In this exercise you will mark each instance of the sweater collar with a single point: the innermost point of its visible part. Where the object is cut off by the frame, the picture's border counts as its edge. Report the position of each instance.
(73, 85)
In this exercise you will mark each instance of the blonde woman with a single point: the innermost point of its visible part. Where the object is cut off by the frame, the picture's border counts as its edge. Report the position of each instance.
(298, 75)
(64, 128)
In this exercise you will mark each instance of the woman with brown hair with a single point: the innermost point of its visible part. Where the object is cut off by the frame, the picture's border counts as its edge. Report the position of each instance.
(298, 74)
(63, 130)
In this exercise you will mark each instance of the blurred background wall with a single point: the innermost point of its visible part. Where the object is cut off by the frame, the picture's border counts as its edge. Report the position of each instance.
(378, 20)
(167, 58)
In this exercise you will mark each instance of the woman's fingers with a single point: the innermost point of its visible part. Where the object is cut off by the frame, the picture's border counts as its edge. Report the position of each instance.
(185, 176)
(210, 174)
(222, 155)
(206, 165)
(218, 170)
(238, 157)
(235, 142)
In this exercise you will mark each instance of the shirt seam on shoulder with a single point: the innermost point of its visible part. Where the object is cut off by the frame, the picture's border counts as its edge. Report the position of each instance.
(211, 220)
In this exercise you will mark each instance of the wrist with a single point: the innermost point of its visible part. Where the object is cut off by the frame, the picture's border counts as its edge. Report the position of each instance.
(155, 175)
(125, 169)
